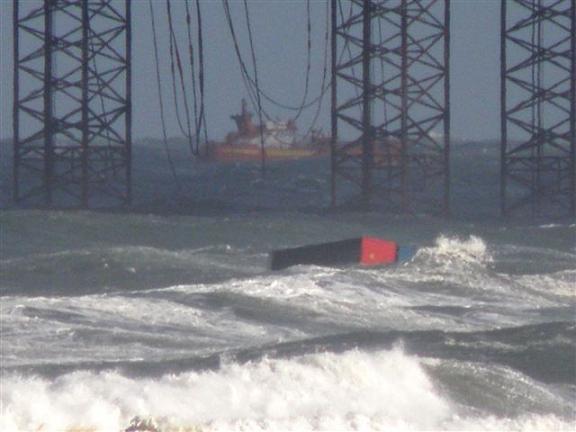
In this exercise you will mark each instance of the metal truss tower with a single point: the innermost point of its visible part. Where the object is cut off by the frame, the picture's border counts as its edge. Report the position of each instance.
(72, 102)
(538, 102)
(390, 103)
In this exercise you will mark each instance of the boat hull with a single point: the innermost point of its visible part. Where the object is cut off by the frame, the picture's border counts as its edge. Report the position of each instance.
(231, 153)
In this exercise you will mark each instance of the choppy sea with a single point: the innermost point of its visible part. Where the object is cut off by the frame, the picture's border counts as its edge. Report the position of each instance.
(166, 316)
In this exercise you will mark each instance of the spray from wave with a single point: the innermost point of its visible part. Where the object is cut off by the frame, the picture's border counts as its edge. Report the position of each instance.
(384, 390)
(450, 251)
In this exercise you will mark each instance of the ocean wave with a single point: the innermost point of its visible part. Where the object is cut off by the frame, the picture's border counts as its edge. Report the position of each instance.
(120, 268)
(190, 320)
(384, 390)
(40, 330)
(310, 388)
(562, 283)
(448, 251)
(557, 225)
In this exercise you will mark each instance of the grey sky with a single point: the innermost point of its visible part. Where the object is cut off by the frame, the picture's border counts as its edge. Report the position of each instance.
(280, 33)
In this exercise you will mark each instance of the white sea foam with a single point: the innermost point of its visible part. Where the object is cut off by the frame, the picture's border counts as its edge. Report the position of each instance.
(452, 250)
(321, 389)
(386, 390)
(32, 331)
(556, 225)
(280, 307)
(467, 266)
(562, 283)
(452, 261)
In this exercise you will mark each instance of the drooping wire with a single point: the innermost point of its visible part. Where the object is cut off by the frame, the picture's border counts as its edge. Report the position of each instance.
(308, 60)
(294, 107)
(258, 98)
(173, 75)
(201, 73)
(175, 50)
(323, 85)
(193, 72)
(161, 99)
(248, 82)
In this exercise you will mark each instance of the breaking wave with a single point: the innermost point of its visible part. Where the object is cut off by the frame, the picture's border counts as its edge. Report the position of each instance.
(451, 250)
(349, 391)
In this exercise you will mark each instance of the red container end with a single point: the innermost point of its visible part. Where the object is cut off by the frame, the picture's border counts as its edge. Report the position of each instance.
(377, 251)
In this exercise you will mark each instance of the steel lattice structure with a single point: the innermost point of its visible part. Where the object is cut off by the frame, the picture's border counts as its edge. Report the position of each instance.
(72, 102)
(538, 102)
(390, 102)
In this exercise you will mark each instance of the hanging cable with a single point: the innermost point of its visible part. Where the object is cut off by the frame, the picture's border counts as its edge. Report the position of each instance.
(173, 75)
(323, 85)
(249, 81)
(193, 73)
(326, 86)
(174, 46)
(258, 99)
(202, 115)
(308, 60)
(159, 85)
